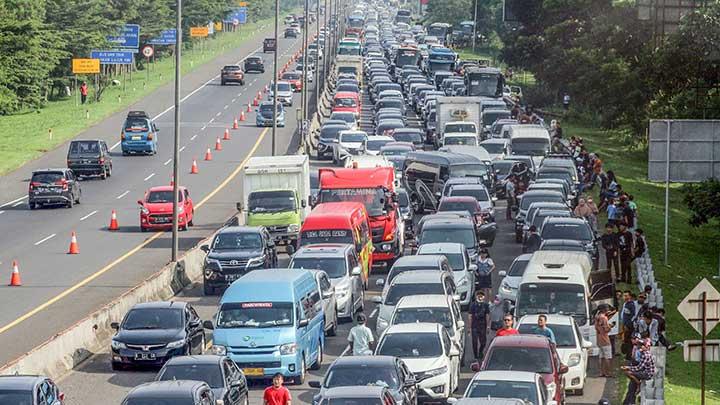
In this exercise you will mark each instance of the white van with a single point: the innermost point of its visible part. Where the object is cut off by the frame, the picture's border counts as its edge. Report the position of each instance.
(532, 140)
(558, 282)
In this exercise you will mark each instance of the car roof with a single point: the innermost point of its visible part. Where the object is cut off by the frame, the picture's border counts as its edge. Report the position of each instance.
(565, 220)
(447, 158)
(367, 391)
(440, 248)
(417, 277)
(380, 138)
(323, 250)
(345, 94)
(165, 389)
(564, 242)
(506, 375)
(363, 360)
(196, 359)
(459, 198)
(445, 222)
(419, 260)
(494, 141)
(163, 188)
(241, 229)
(418, 327)
(60, 169)
(160, 305)
(467, 186)
(423, 300)
(17, 382)
(555, 319)
(520, 341)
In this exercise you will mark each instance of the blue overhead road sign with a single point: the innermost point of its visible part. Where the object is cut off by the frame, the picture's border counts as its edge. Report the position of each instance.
(129, 37)
(113, 57)
(167, 37)
(239, 14)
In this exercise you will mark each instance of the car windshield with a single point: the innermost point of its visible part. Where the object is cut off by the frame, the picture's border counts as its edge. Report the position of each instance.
(409, 345)
(362, 375)
(502, 167)
(530, 146)
(469, 170)
(412, 137)
(398, 291)
(284, 87)
(517, 268)
(49, 178)
(372, 198)
(135, 124)
(460, 140)
(316, 236)
(494, 148)
(564, 334)
(541, 215)
(254, 315)
(156, 197)
(331, 132)
(232, 67)
(456, 260)
(345, 102)
(238, 241)
(519, 358)
(428, 315)
(335, 267)
(469, 206)
(267, 108)
(398, 151)
(271, 201)
(209, 373)
(85, 148)
(488, 117)
(466, 236)
(552, 298)
(464, 127)
(391, 103)
(567, 231)
(291, 76)
(556, 175)
(352, 137)
(153, 318)
(479, 194)
(503, 389)
(16, 397)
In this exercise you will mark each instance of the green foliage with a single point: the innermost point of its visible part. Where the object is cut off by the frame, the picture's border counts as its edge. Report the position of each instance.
(703, 200)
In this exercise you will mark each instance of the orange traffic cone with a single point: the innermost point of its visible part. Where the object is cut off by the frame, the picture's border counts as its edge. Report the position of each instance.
(226, 135)
(256, 102)
(267, 88)
(242, 115)
(235, 124)
(218, 145)
(74, 248)
(15, 278)
(172, 181)
(259, 95)
(194, 168)
(208, 155)
(249, 109)
(113, 222)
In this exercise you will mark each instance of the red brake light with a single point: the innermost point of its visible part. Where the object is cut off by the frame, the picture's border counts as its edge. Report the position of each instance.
(122, 136)
(63, 183)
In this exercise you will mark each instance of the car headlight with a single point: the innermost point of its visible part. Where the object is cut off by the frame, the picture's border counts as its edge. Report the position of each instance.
(436, 371)
(574, 360)
(288, 348)
(176, 344)
(551, 389)
(256, 260)
(117, 345)
(218, 350)
(144, 210)
(293, 228)
(505, 287)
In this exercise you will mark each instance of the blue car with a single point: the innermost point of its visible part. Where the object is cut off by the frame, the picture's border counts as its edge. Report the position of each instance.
(264, 116)
(139, 134)
(271, 321)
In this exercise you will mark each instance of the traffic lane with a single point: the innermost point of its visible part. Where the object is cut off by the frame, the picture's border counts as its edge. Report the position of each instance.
(134, 268)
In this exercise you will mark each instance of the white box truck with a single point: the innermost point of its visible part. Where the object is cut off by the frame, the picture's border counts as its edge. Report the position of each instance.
(455, 109)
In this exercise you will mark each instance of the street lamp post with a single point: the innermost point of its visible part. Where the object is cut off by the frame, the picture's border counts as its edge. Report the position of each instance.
(306, 33)
(475, 26)
(317, 56)
(275, 76)
(176, 146)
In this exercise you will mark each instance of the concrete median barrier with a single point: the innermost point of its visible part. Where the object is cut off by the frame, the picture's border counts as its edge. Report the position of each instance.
(67, 349)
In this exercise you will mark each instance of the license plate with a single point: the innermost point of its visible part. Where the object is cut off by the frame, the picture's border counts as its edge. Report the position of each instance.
(232, 277)
(162, 220)
(136, 138)
(254, 372)
(144, 356)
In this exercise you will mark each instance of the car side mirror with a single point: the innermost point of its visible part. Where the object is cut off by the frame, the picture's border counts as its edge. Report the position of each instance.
(473, 267)
(380, 282)
(314, 384)
(563, 369)
(461, 324)
(205, 248)
(475, 367)
(115, 325)
(376, 299)
(140, 202)
(502, 273)
(303, 323)
(456, 297)
(586, 344)
(208, 325)
(356, 271)
(452, 401)
(303, 203)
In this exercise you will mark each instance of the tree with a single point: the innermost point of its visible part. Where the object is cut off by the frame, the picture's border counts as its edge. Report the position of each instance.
(703, 200)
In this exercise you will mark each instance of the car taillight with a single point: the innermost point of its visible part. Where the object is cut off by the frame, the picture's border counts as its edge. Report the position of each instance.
(33, 185)
(62, 183)
(122, 136)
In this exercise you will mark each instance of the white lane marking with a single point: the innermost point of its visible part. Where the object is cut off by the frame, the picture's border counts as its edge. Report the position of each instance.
(203, 128)
(181, 149)
(373, 313)
(167, 162)
(13, 201)
(149, 177)
(233, 100)
(18, 203)
(211, 120)
(88, 215)
(2, 212)
(218, 114)
(240, 94)
(192, 138)
(122, 195)
(115, 146)
(45, 239)
(226, 107)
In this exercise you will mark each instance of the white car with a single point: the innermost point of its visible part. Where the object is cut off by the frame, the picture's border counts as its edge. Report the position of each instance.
(570, 346)
(376, 142)
(429, 353)
(285, 93)
(524, 385)
(432, 308)
(348, 117)
(463, 139)
(511, 278)
(329, 301)
(463, 269)
(350, 143)
(496, 147)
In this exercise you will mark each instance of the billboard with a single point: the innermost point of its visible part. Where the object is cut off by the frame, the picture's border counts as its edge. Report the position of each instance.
(694, 150)
(166, 37)
(129, 37)
(113, 57)
(85, 66)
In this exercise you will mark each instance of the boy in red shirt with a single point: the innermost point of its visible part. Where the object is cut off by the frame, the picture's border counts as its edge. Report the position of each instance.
(276, 394)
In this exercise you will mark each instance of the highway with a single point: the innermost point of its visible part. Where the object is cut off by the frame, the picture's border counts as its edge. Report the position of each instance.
(59, 289)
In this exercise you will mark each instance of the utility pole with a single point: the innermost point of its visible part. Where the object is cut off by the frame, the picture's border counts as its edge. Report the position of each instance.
(317, 57)
(306, 33)
(176, 146)
(275, 76)
(474, 27)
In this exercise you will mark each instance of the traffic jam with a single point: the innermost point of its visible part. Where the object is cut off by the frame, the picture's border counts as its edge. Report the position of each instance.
(386, 230)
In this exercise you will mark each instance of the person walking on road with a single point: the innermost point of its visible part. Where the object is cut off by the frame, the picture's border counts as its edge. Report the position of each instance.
(360, 338)
(609, 243)
(603, 328)
(478, 320)
(486, 267)
(83, 92)
(543, 330)
(276, 394)
(533, 241)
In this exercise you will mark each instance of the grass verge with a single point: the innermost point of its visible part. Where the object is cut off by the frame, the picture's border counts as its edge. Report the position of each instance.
(693, 255)
(26, 136)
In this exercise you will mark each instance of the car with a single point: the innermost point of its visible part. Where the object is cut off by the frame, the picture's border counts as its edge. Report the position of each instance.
(53, 187)
(543, 185)
(463, 269)
(389, 114)
(496, 130)
(528, 198)
(295, 80)
(348, 117)
(413, 135)
(353, 395)
(496, 147)
(291, 32)
(152, 333)
(232, 74)
(89, 158)
(156, 209)
(571, 229)
(254, 64)
(224, 378)
(376, 142)
(396, 148)
(139, 134)
(348, 88)
(269, 45)
(346, 101)
(486, 227)
(285, 93)
(187, 392)
(540, 205)
(570, 346)
(264, 116)
(327, 138)
(341, 264)
(539, 217)
(350, 143)
(481, 195)
(412, 282)
(531, 353)
(326, 292)
(368, 371)
(29, 390)
(511, 277)
(429, 352)
(451, 228)
(235, 251)
(404, 264)
(523, 385)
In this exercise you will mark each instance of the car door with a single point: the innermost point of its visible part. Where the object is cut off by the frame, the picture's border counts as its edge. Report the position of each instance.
(327, 293)
(232, 389)
(355, 281)
(195, 330)
(409, 391)
(454, 361)
(583, 351)
(459, 325)
(188, 204)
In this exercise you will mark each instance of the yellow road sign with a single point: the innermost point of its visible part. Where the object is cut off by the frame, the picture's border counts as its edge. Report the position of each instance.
(199, 31)
(242, 3)
(218, 26)
(85, 66)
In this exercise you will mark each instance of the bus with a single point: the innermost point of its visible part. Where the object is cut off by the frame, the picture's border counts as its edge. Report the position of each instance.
(484, 82)
(407, 56)
(403, 16)
(439, 30)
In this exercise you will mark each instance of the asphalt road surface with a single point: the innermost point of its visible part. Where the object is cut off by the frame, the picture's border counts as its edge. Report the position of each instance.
(60, 289)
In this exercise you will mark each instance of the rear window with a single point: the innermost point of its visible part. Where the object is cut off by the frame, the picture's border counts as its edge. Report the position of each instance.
(232, 67)
(85, 147)
(516, 358)
(345, 102)
(136, 125)
(47, 177)
(567, 231)
(468, 206)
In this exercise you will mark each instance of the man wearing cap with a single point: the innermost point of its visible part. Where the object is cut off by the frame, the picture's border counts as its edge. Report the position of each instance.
(644, 370)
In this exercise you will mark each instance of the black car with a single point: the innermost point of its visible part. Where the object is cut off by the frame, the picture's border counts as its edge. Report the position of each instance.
(89, 158)
(53, 186)
(291, 33)
(232, 74)
(171, 392)
(269, 45)
(152, 333)
(224, 377)
(254, 64)
(235, 251)
(452, 230)
(29, 390)
(366, 371)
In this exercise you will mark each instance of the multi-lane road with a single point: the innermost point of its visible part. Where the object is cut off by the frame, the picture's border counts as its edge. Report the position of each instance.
(59, 289)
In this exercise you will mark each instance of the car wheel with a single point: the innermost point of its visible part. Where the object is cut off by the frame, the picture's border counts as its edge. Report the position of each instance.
(300, 380)
(109, 172)
(208, 290)
(202, 344)
(143, 229)
(77, 200)
(242, 82)
(318, 361)
(190, 223)
(222, 82)
(32, 206)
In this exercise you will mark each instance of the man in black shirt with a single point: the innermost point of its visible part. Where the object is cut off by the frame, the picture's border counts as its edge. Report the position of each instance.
(478, 319)
(625, 249)
(609, 243)
(533, 241)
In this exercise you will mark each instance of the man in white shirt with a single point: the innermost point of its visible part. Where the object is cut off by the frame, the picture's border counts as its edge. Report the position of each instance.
(360, 338)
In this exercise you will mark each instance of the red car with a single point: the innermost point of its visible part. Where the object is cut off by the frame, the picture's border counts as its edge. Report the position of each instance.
(347, 102)
(156, 209)
(532, 353)
(295, 80)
